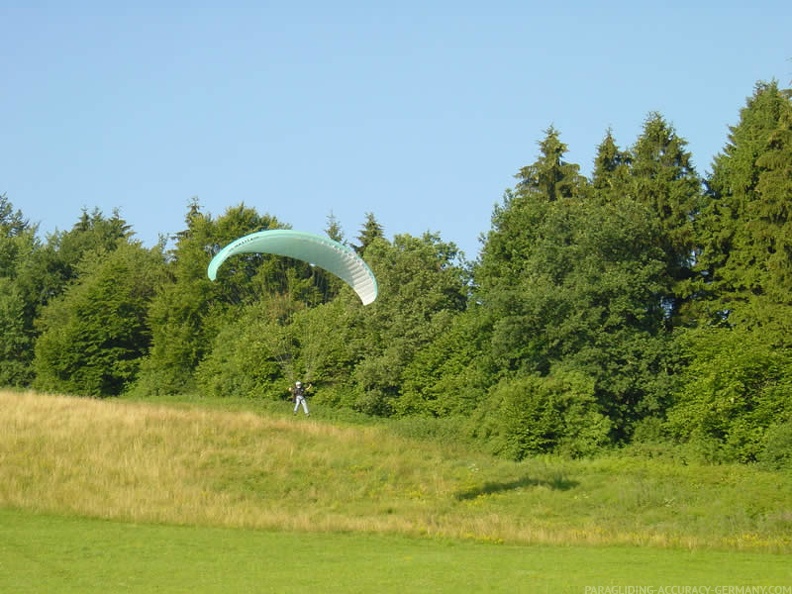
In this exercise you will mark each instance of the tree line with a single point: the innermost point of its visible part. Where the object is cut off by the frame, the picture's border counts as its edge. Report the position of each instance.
(645, 304)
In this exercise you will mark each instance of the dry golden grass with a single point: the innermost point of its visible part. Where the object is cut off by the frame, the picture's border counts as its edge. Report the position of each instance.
(136, 462)
(151, 463)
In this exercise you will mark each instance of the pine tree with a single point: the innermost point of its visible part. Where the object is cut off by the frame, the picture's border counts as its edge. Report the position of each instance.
(735, 393)
(333, 229)
(745, 229)
(370, 232)
(610, 177)
(664, 179)
(551, 176)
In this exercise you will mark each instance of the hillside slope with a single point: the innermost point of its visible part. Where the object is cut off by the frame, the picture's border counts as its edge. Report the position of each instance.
(191, 465)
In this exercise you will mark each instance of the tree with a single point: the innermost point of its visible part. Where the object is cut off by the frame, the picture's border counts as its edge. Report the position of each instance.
(188, 312)
(267, 345)
(370, 232)
(57, 263)
(16, 340)
(36, 275)
(94, 335)
(550, 176)
(12, 224)
(746, 227)
(733, 399)
(665, 181)
(448, 376)
(18, 245)
(524, 251)
(611, 175)
(574, 286)
(734, 391)
(333, 229)
(421, 285)
(534, 415)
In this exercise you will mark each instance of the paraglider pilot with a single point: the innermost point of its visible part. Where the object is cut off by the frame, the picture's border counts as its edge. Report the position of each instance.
(298, 392)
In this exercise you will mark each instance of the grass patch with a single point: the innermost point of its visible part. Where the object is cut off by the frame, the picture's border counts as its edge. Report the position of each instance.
(216, 464)
(42, 553)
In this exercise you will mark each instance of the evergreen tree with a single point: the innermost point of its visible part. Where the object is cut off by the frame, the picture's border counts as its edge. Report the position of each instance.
(734, 395)
(57, 263)
(41, 273)
(664, 180)
(550, 176)
(746, 228)
(611, 175)
(571, 287)
(525, 227)
(370, 232)
(772, 232)
(333, 229)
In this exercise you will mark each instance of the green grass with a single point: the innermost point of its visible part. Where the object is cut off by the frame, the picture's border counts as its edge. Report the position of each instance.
(195, 465)
(42, 553)
(235, 496)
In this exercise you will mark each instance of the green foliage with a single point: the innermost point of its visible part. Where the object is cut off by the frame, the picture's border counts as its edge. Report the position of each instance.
(550, 176)
(273, 343)
(58, 263)
(421, 287)
(94, 335)
(611, 176)
(16, 342)
(746, 229)
(734, 389)
(372, 231)
(447, 376)
(663, 178)
(18, 246)
(538, 415)
(240, 364)
(181, 324)
(581, 283)
(777, 451)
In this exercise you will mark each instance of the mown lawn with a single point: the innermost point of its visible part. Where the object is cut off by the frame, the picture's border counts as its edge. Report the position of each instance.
(44, 553)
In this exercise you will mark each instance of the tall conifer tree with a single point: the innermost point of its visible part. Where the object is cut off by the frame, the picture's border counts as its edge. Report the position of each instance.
(665, 180)
(745, 229)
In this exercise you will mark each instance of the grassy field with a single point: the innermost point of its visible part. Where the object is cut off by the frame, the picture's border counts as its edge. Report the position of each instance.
(78, 555)
(133, 484)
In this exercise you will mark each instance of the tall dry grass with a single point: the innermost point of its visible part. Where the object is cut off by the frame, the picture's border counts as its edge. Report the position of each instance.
(143, 463)
(187, 465)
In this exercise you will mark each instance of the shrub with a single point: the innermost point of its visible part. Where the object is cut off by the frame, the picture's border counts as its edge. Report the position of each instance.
(777, 452)
(734, 389)
(535, 414)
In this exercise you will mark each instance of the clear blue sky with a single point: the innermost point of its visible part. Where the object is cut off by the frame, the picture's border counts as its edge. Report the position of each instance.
(418, 111)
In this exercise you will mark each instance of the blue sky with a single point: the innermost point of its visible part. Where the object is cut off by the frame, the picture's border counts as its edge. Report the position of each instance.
(420, 112)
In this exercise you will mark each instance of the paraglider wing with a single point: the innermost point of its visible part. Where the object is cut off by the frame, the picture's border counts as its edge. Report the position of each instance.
(320, 251)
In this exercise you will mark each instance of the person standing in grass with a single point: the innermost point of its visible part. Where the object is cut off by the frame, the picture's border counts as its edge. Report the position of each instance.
(299, 395)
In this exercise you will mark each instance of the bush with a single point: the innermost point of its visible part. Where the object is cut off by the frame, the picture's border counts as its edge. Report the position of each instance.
(735, 388)
(535, 415)
(777, 452)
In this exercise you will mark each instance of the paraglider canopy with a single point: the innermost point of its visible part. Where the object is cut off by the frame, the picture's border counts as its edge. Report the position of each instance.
(317, 250)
